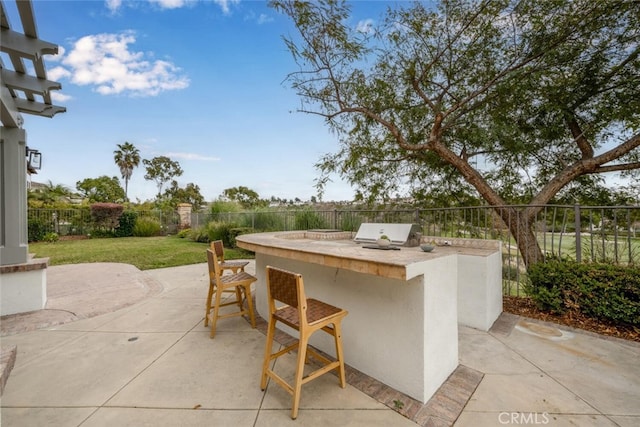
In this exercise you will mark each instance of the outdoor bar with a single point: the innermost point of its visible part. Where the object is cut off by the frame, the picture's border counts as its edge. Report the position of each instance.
(404, 304)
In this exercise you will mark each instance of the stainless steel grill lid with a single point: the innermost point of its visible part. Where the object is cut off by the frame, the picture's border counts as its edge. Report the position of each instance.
(399, 234)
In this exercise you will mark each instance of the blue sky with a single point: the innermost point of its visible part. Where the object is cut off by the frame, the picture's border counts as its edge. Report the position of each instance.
(201, 82)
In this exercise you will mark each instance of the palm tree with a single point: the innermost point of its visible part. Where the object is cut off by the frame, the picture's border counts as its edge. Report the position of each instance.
(127, 157)
(50, 193)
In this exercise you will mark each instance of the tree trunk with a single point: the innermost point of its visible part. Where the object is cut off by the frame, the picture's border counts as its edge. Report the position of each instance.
(520, 224)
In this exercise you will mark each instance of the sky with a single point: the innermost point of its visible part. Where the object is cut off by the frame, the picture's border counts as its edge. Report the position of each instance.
(201, 82)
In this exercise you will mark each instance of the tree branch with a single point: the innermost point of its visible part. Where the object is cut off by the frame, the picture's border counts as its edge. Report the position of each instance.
(579, 138)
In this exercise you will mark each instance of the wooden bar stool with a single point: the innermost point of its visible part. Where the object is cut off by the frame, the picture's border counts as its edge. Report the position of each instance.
(233, 266)
(306, 316)
(238, 284)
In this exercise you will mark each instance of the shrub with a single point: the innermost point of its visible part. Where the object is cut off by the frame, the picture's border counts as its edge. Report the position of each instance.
(184, 233)
(265, 220)
(106, 216)
(126, 224)
(199, 235)
(235, 232)
(602, 291)
(220, 231)
(36, 230)
(308, 219)
(146, 227)
(51, 237)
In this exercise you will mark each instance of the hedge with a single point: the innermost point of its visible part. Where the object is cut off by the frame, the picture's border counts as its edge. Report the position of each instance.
(602, 291)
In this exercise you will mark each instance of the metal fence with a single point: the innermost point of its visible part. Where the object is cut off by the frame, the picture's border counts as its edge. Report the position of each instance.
(78, 221)
(608, 234)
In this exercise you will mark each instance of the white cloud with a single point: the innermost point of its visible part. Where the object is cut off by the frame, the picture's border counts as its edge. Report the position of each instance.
(105, 62)
(113, 5)
(191, 156)
(57, 73)
(59, 97)
(170, 4)
(365, 26)
(224, 5)
(264, 18)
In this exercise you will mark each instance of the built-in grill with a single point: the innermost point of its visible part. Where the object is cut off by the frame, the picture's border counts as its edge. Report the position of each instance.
(399, 234)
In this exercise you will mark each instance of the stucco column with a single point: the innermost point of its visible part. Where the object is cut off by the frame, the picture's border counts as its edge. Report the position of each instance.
(184, 212)
(13, 197)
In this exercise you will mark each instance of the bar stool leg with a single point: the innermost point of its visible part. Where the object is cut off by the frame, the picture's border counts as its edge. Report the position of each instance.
(252, 316)
(216, 309)
(271, 329)
(337, 330)
(297, 386)
(208, 309)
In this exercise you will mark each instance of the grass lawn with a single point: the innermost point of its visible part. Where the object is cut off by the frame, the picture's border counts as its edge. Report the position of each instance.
(144, 252)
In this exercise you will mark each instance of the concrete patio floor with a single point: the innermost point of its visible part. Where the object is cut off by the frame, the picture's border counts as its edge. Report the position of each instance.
(120, 347)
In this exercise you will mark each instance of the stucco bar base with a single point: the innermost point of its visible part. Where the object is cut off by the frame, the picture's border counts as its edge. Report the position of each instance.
(402, 327)
(23, 287)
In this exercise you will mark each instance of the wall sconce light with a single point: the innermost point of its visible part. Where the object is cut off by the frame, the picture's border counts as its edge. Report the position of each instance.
(34, 161)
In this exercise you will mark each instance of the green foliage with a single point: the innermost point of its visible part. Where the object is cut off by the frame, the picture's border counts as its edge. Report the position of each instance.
(36, 230)
(51, 237)
(126, 224)
(48, 196)
(246, 197)
(189, 194)
(127, 157)
(106, 216)
(102, 190)
(235, 232)
(199, 235)
(184, 233)
(146, 227)
(350, 221)
(220, 231)
(308, 219)
(602, 291)
(223, 206)
(264, 220)
(161, 170)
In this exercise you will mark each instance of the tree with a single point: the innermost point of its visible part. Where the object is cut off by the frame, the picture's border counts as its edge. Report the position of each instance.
(189, 194)
(513, 98)
(127, 157)
(243, 195)
(161, 170)
(102, 189)
(48, 195)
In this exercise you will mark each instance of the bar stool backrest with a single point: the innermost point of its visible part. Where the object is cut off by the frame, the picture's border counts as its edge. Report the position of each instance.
(285, 286)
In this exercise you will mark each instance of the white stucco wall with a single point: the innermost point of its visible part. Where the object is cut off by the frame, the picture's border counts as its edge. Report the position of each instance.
(23, 291)
(479, 290)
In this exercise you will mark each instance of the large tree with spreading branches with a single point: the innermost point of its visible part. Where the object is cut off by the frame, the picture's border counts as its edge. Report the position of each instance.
(504, 97)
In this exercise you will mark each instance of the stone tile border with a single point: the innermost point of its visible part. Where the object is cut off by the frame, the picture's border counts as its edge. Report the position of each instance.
(30, 265)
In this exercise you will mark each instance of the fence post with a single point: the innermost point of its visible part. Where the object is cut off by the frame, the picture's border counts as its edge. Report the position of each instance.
(335, 219)
(578, 227)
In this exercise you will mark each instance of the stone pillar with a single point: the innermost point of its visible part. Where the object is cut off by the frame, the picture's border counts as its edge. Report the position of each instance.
(13, 193)
(184, 212)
